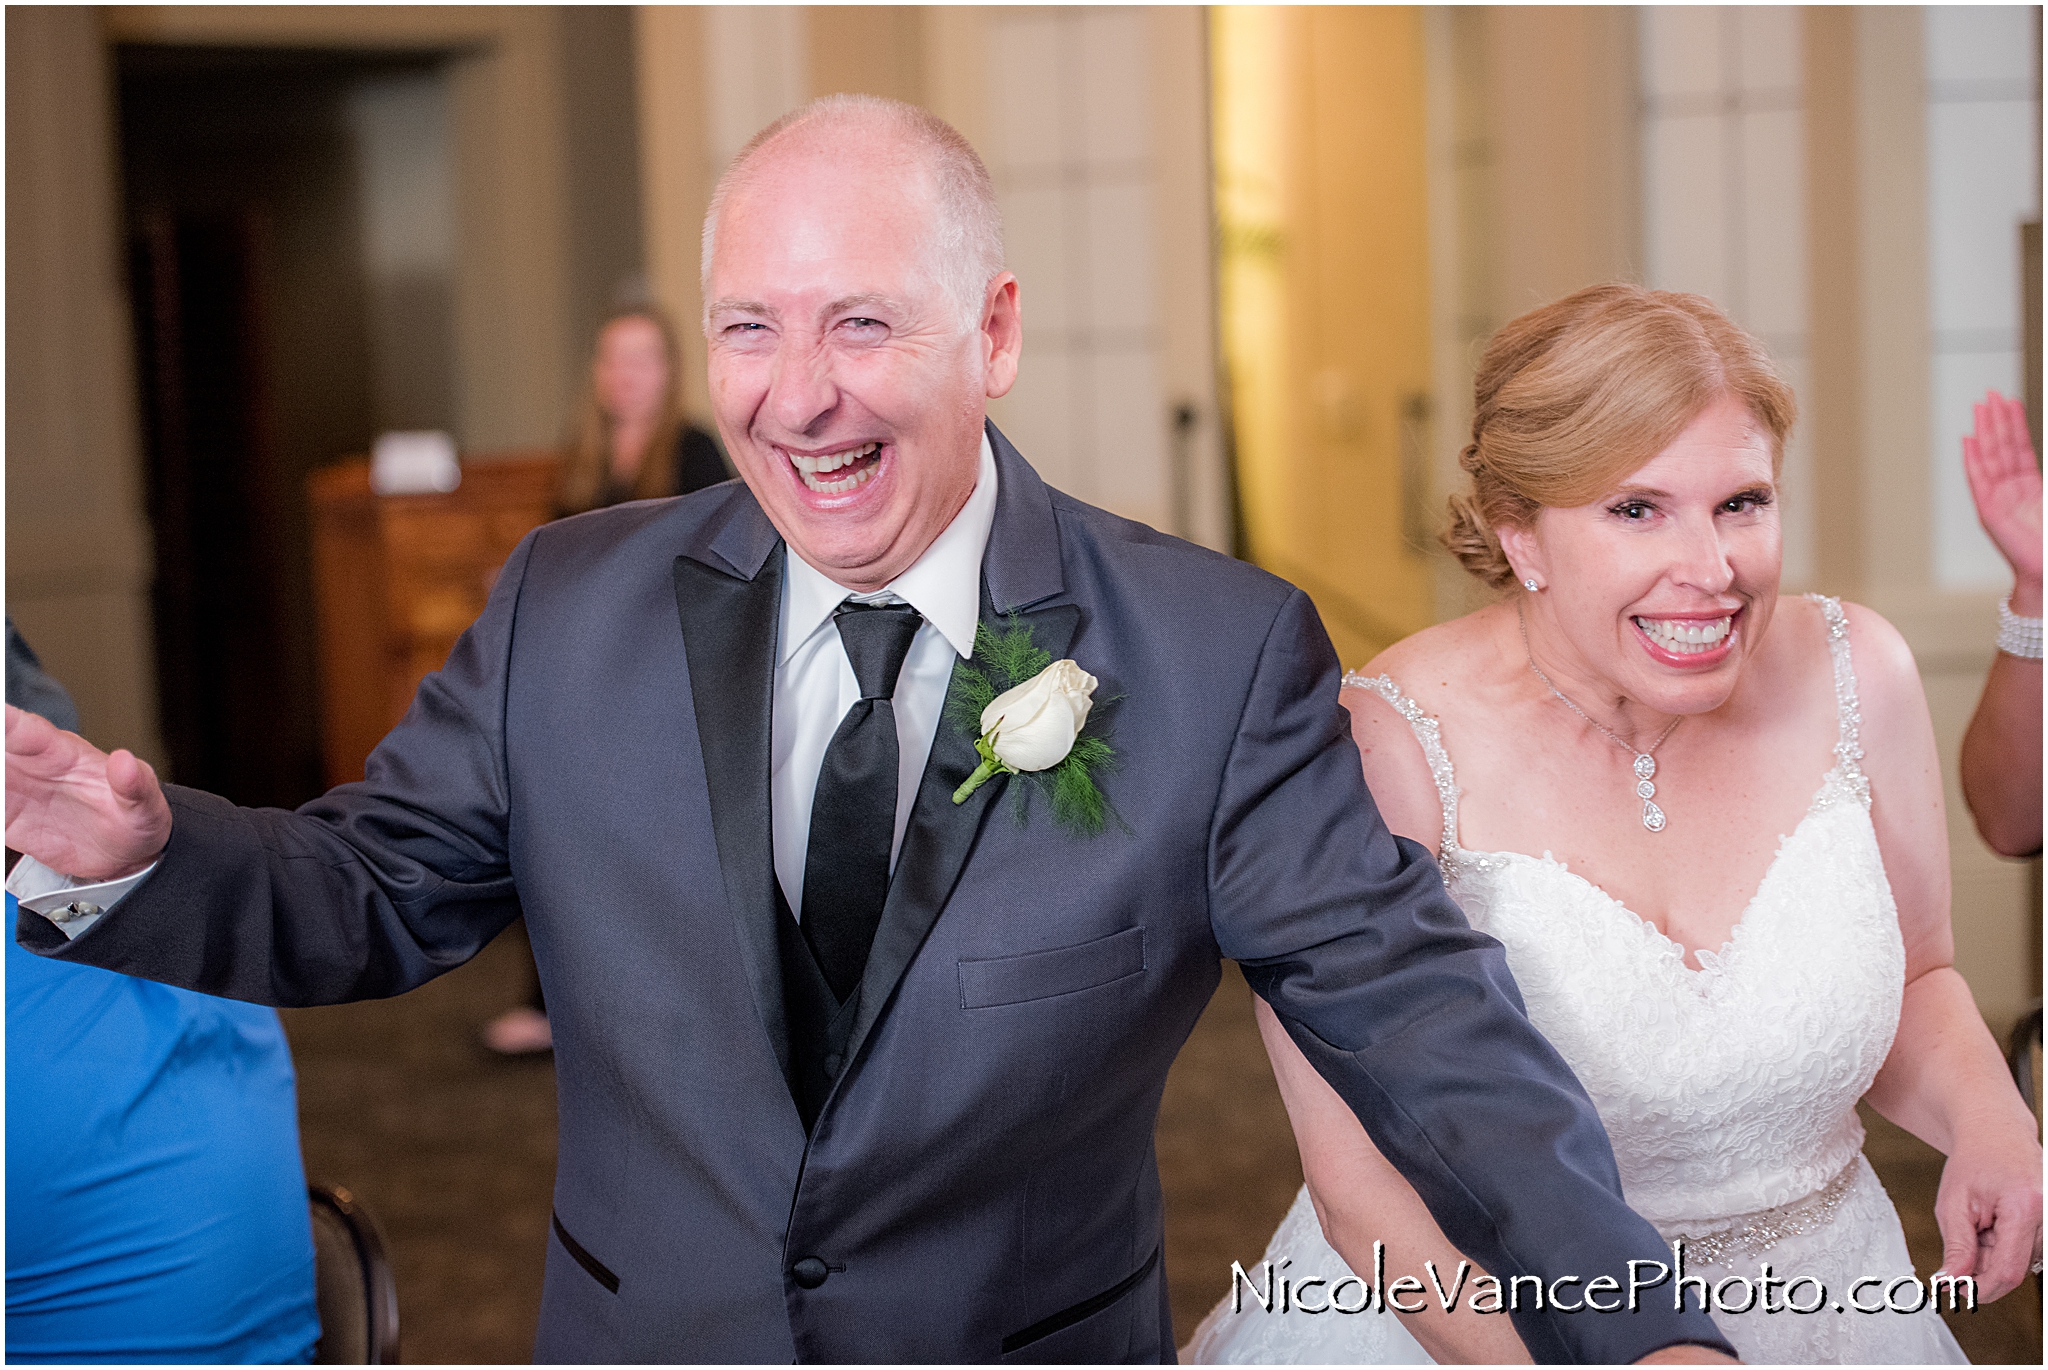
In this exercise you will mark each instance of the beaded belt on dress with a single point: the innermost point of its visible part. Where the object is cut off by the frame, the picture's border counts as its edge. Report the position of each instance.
(1752, 1234)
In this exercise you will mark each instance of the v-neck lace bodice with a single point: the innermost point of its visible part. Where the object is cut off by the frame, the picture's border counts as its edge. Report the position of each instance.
(1731, 1087)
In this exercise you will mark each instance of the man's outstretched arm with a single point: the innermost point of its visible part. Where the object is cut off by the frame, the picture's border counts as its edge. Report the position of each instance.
(368, 891)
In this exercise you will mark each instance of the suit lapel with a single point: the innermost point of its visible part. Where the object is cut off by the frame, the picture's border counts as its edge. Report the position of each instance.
(1020, 567)
(729, 596)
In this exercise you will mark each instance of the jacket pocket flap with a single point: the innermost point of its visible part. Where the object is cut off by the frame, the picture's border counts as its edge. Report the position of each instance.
(1043, 974)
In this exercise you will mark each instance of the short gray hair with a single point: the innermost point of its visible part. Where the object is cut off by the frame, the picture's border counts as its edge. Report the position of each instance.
(967, 233)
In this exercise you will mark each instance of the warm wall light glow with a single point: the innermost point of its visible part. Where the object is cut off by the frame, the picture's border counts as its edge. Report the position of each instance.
(1249, 72)
(1321, 207)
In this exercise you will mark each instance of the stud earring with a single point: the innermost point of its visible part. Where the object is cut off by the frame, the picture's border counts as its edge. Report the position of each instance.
(1529, 584)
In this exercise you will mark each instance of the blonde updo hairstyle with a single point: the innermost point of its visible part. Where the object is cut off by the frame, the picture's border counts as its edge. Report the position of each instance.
(1572, 397)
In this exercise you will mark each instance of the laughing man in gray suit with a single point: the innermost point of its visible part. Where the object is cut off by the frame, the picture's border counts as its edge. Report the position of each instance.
(858, 1060)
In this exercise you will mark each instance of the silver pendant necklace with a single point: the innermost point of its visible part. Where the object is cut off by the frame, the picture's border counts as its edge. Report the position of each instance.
(1645, 761)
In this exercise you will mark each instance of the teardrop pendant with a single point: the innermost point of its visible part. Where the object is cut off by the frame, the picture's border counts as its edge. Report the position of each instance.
(1645, 767)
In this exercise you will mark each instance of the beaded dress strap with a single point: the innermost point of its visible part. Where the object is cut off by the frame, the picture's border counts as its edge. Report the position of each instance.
(1429, 733)
(1849, 739)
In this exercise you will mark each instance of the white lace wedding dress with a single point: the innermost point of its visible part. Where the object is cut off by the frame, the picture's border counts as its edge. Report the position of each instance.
(1729, 1091)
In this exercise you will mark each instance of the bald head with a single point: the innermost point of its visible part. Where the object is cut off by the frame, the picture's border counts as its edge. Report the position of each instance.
(963, 237)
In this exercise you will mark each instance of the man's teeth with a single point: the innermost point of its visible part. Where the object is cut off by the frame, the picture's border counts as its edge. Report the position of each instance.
(811, 468)
(1686, 637)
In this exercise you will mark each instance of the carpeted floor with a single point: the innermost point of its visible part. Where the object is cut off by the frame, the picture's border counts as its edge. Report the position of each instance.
(454, 1150)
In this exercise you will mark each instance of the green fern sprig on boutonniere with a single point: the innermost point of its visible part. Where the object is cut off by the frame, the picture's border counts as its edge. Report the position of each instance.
(1026, 714)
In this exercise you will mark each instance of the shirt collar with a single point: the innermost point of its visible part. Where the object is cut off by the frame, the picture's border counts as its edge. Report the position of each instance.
(944, 585)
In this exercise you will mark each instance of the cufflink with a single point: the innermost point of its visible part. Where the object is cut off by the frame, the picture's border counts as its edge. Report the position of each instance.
(71, 913)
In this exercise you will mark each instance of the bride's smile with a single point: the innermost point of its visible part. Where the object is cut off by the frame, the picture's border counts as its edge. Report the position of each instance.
(1688, 641)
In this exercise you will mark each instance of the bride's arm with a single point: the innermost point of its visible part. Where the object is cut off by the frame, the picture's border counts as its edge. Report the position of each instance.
(1361, 1199)
(1945, 1080)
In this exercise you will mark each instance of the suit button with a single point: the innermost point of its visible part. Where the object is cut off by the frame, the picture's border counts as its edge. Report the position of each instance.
(809, 1272)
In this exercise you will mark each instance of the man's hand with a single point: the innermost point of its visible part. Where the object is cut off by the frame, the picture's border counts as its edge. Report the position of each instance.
(76, 809)
(2005, 481)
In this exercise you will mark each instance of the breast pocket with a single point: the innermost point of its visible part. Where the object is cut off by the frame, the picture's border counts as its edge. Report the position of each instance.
(1042, 974)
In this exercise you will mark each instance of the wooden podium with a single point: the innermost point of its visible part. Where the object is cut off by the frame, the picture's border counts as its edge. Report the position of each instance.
(396, 578)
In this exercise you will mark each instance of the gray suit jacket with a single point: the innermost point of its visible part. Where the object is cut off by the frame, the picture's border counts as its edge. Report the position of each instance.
(980, 1183)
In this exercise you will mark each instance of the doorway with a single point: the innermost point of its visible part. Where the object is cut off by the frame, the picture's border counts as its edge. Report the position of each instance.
(255, 325)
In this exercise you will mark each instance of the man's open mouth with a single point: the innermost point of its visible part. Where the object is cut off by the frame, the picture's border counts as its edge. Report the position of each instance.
(838, 473)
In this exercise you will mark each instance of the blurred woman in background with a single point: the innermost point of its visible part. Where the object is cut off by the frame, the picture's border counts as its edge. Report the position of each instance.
(631, 440)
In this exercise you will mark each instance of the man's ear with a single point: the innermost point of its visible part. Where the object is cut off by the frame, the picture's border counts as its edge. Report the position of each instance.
(1525, 553)
(1002, 335)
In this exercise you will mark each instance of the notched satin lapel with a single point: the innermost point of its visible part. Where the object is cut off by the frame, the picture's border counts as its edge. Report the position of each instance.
(729, 631)
(938, 839)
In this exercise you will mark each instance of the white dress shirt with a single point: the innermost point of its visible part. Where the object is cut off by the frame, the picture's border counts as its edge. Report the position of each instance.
(815, 685)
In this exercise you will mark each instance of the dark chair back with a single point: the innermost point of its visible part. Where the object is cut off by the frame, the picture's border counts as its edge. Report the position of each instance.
(357, 1295)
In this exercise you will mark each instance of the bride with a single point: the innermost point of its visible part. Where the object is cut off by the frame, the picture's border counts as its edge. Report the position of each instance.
(1707, 824)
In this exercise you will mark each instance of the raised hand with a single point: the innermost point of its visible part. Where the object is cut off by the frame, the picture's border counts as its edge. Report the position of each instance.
(76, 809)
(2005, 481)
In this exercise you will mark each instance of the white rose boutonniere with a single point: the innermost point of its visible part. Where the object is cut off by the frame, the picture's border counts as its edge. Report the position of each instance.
(1034, 727)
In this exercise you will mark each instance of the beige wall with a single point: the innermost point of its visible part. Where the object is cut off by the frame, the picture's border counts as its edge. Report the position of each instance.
(1877, 386)
(1565, 150)
(1184, 215)
(676, 173)
(867, 49)
(78, 544)
(1534, 191)
(1866, 407)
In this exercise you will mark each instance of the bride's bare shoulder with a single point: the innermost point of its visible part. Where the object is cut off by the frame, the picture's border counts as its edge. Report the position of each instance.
(1797, 657)
(1423, 667)
(1425, 664)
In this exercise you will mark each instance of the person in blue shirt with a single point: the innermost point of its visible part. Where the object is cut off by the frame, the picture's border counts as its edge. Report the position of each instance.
(156, 1202)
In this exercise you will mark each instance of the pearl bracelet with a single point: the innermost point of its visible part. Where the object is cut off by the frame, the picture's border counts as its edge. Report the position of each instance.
(2018, 636)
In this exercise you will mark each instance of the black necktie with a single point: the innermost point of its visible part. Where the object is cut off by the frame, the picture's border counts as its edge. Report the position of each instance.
(853, 814)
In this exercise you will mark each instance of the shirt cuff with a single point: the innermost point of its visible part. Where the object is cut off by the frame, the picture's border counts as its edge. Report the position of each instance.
(70, 905)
